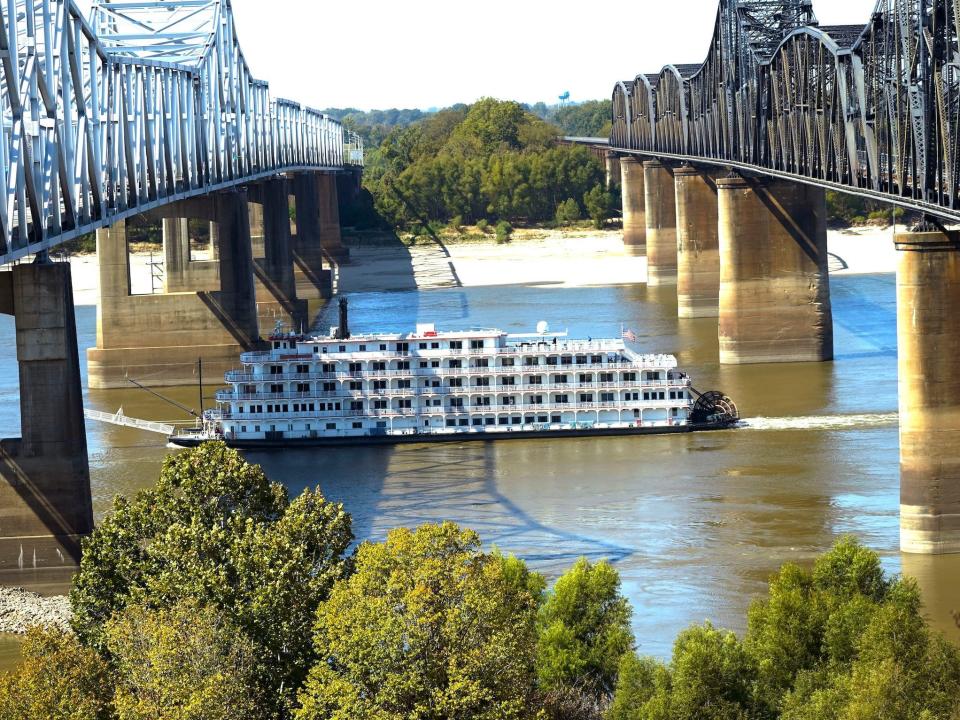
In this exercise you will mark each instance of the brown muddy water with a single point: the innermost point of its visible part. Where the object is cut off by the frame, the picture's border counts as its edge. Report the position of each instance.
(695, 524)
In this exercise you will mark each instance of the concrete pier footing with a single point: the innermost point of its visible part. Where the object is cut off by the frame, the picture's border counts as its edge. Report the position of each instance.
(158, 339)
(698, 247)
(774, 283)
(660, 194)
(45, 502)
(928, 341)
(634, 206)
(612, 162)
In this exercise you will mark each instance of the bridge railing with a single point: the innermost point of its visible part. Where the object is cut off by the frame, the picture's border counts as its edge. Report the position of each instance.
(94, 131)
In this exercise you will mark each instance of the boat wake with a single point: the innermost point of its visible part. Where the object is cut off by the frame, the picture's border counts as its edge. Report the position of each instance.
(822, 422)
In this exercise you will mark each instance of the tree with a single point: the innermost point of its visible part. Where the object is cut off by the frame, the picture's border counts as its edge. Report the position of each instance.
(215, 530)
(428, 626)
(182, 663)
(58, 679)
(584, 630)
(568, 212)
(599, 204)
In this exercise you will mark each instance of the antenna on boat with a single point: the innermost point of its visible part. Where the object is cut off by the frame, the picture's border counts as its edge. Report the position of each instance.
(200, 378)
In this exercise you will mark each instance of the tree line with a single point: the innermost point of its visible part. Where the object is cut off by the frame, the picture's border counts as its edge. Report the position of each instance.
(214, 596)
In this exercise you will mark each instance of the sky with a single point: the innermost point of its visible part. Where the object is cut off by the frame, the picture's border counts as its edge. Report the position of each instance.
(434, 53)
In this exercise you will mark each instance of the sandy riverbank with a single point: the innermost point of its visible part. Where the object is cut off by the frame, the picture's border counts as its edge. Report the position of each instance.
(560, 258)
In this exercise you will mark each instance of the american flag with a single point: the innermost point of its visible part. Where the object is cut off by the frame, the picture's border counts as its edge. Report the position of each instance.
(629, 336)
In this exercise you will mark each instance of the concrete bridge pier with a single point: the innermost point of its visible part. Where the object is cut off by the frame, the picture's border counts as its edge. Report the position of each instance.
(158, 338)
(928, 338)
(661, 201)
(45, 503)
(314, 282)
(612, 161)
(181, 271)
(774, 284)
(328, 204)
(275, 284)
(634, 206)
(698, 247)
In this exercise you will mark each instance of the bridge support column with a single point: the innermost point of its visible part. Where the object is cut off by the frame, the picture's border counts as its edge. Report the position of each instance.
(613, 170)
(774, 284)
(45, 502)
(661, 203)
(329, 205)
(181, 273)
(928, 338)
(634, 206)
(158, 338)
(698, 247)
(276, 284)
(313, 281)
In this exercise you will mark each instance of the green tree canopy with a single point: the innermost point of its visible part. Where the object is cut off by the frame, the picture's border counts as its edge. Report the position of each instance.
(216, 531)
(584, 629)
(427, 627)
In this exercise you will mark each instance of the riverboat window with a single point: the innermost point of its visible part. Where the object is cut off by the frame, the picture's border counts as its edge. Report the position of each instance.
(403, 365)
(581, 359)
(456, 402)
(456, 344)
(363, 348)
(606, 377)
(508, 381)
(476, 344)
(554, 418)
(606, 397)
(482, 382)
(403, 384)
(488, 421)
(535, 380)
(515, 421)
(403, 347)
(456, 382)
(329, 387)
(435, 402)
(329, 368)
(259, 408)
(529, 419)
(276, 388)
(596, 359)
(506, 362)
(303, 387)
(551, 361)
(434, 363)
(379, 366)
(336, 406)
(316, 349)
(269, 408)
(560, 399)
(243, 428)
(276, 345)
(462, 422)
(482, 401)
(482, 363)
(455, 364)
(434, 346)
(478, 421)
(537, 400)
(653, 375)
(422, 346)
(381, 425)
(379, 404)
(311, 409)
(379, 384)
(503, 421)
(276, 370)
(629, 377)
(543, 418)
(357, 425)
(286, 408)
(423, 363)
(451, 422)
(508, 400)
(303, 369)
(561, 380)
(356, 385)
(405, 403)
(586, 378)
(586, 397)
(528, 361)
(343, 348)
(354, 367)
(566, 360)
(331, 426)
(356, 405)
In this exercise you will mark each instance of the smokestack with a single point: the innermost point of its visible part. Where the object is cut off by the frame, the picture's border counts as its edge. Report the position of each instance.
(343, 332)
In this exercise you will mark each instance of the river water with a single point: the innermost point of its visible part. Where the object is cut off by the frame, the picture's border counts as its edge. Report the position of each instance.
(695, 524)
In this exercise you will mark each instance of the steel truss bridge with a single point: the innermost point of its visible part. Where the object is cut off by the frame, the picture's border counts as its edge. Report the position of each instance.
(144, 103)
(872, 110)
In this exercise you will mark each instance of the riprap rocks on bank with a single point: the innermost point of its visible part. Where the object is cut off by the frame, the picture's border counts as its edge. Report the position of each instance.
(21, 609)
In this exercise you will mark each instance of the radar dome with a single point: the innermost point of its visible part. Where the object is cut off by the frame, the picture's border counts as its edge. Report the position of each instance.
(542, 327)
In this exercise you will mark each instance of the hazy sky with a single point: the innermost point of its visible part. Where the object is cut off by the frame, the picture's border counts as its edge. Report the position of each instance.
(424, 53)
